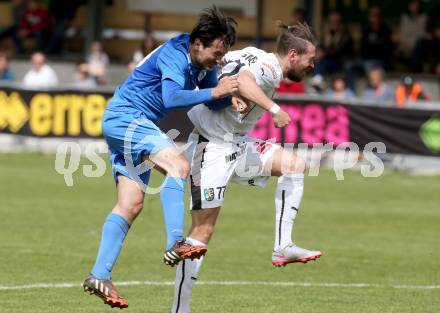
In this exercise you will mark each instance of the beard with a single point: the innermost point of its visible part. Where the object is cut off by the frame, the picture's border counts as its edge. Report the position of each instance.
(198, 64)
(295, 76)
(297, 72)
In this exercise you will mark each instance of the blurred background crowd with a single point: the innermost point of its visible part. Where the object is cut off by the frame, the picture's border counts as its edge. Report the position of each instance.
(375, 51)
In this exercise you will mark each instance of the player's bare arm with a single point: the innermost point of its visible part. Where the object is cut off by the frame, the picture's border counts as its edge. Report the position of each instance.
(250, 91)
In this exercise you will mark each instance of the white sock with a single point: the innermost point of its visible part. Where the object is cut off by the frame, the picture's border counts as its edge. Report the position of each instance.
(186, 276)
(288, 196)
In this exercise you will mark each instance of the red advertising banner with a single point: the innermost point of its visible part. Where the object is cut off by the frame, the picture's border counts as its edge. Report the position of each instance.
(77, 114)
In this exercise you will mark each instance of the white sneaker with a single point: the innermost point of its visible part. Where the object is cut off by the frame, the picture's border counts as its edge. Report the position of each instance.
(293, 254)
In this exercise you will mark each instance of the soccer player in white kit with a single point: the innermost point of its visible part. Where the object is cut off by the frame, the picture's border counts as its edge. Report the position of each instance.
(224, 153)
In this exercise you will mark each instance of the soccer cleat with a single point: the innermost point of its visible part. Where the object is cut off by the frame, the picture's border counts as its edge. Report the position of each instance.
(104, 289)
(183, 250)
(293, 254)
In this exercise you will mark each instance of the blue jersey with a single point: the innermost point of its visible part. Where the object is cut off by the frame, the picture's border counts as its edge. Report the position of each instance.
(142, 91)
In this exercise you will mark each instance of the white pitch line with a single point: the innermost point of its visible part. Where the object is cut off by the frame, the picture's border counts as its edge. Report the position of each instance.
(225, 283)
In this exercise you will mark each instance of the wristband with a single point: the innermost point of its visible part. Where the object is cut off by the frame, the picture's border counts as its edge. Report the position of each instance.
(274, 109)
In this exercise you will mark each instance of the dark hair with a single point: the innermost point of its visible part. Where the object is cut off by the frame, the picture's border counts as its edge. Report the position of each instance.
(214, 24)
(337, 76)
(299, 11)
(421, 9)
(295, 37)
(377, 68)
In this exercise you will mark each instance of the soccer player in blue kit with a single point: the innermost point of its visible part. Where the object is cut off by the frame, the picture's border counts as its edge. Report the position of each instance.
(180, 73)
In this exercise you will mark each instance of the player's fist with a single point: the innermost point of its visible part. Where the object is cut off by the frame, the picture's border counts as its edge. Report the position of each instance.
(226, 87)
(240, 105)
(281, 119)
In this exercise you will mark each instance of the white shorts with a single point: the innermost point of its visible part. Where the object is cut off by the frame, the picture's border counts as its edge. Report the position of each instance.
(214, 165)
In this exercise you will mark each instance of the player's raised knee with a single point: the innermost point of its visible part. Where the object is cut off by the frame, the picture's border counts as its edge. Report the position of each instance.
(287, 163)
(184, 168)
(180, 168)
(296, 165)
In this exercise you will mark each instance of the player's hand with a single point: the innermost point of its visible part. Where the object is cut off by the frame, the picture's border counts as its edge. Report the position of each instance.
(227, 86)
(240, 105)
(281, 119)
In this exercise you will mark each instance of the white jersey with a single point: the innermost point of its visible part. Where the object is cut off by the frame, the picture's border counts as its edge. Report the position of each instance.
(228, 124)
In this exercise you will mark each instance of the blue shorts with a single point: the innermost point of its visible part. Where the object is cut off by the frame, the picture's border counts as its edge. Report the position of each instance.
(129, 135)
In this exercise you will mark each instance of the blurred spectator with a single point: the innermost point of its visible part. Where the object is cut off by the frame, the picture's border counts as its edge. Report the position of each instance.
(288, 86)
(426, 53)
(316, 85)
(12, 31)
(376, 39)
(336, 46)
(130, 67)
(98, 62)
(83, 80)
(377, 89)
(40, 75)
(62, 12)
(409, 91)
(338, 89)
(35, 23)
(412, 28)
(148, 45)
(376, 47)
(5, 71)
(298, 15)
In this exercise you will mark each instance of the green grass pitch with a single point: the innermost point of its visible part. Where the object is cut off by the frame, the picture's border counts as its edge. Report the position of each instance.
(380, 232)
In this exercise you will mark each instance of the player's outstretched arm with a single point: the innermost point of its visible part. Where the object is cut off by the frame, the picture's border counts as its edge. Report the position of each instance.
(248, 89)
(174, 96)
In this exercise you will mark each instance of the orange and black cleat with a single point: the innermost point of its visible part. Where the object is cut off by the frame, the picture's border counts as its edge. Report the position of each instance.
(104, 289)
(183, 250)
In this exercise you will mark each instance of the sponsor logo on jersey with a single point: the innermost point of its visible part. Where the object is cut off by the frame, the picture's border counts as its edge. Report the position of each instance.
(233, 156)
(202, 75)
(271, 69)
(209, 194)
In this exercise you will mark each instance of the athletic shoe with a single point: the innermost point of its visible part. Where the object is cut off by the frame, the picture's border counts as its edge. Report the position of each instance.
(293, 254)
(183, 250)
(104, 289)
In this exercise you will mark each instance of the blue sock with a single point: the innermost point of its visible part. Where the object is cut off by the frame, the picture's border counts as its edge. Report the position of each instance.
(172, 198)
(114, 230)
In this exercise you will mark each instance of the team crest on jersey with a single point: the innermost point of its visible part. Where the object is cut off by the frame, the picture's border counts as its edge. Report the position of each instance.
(209, 194)
(202, 75)
(262, 147)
